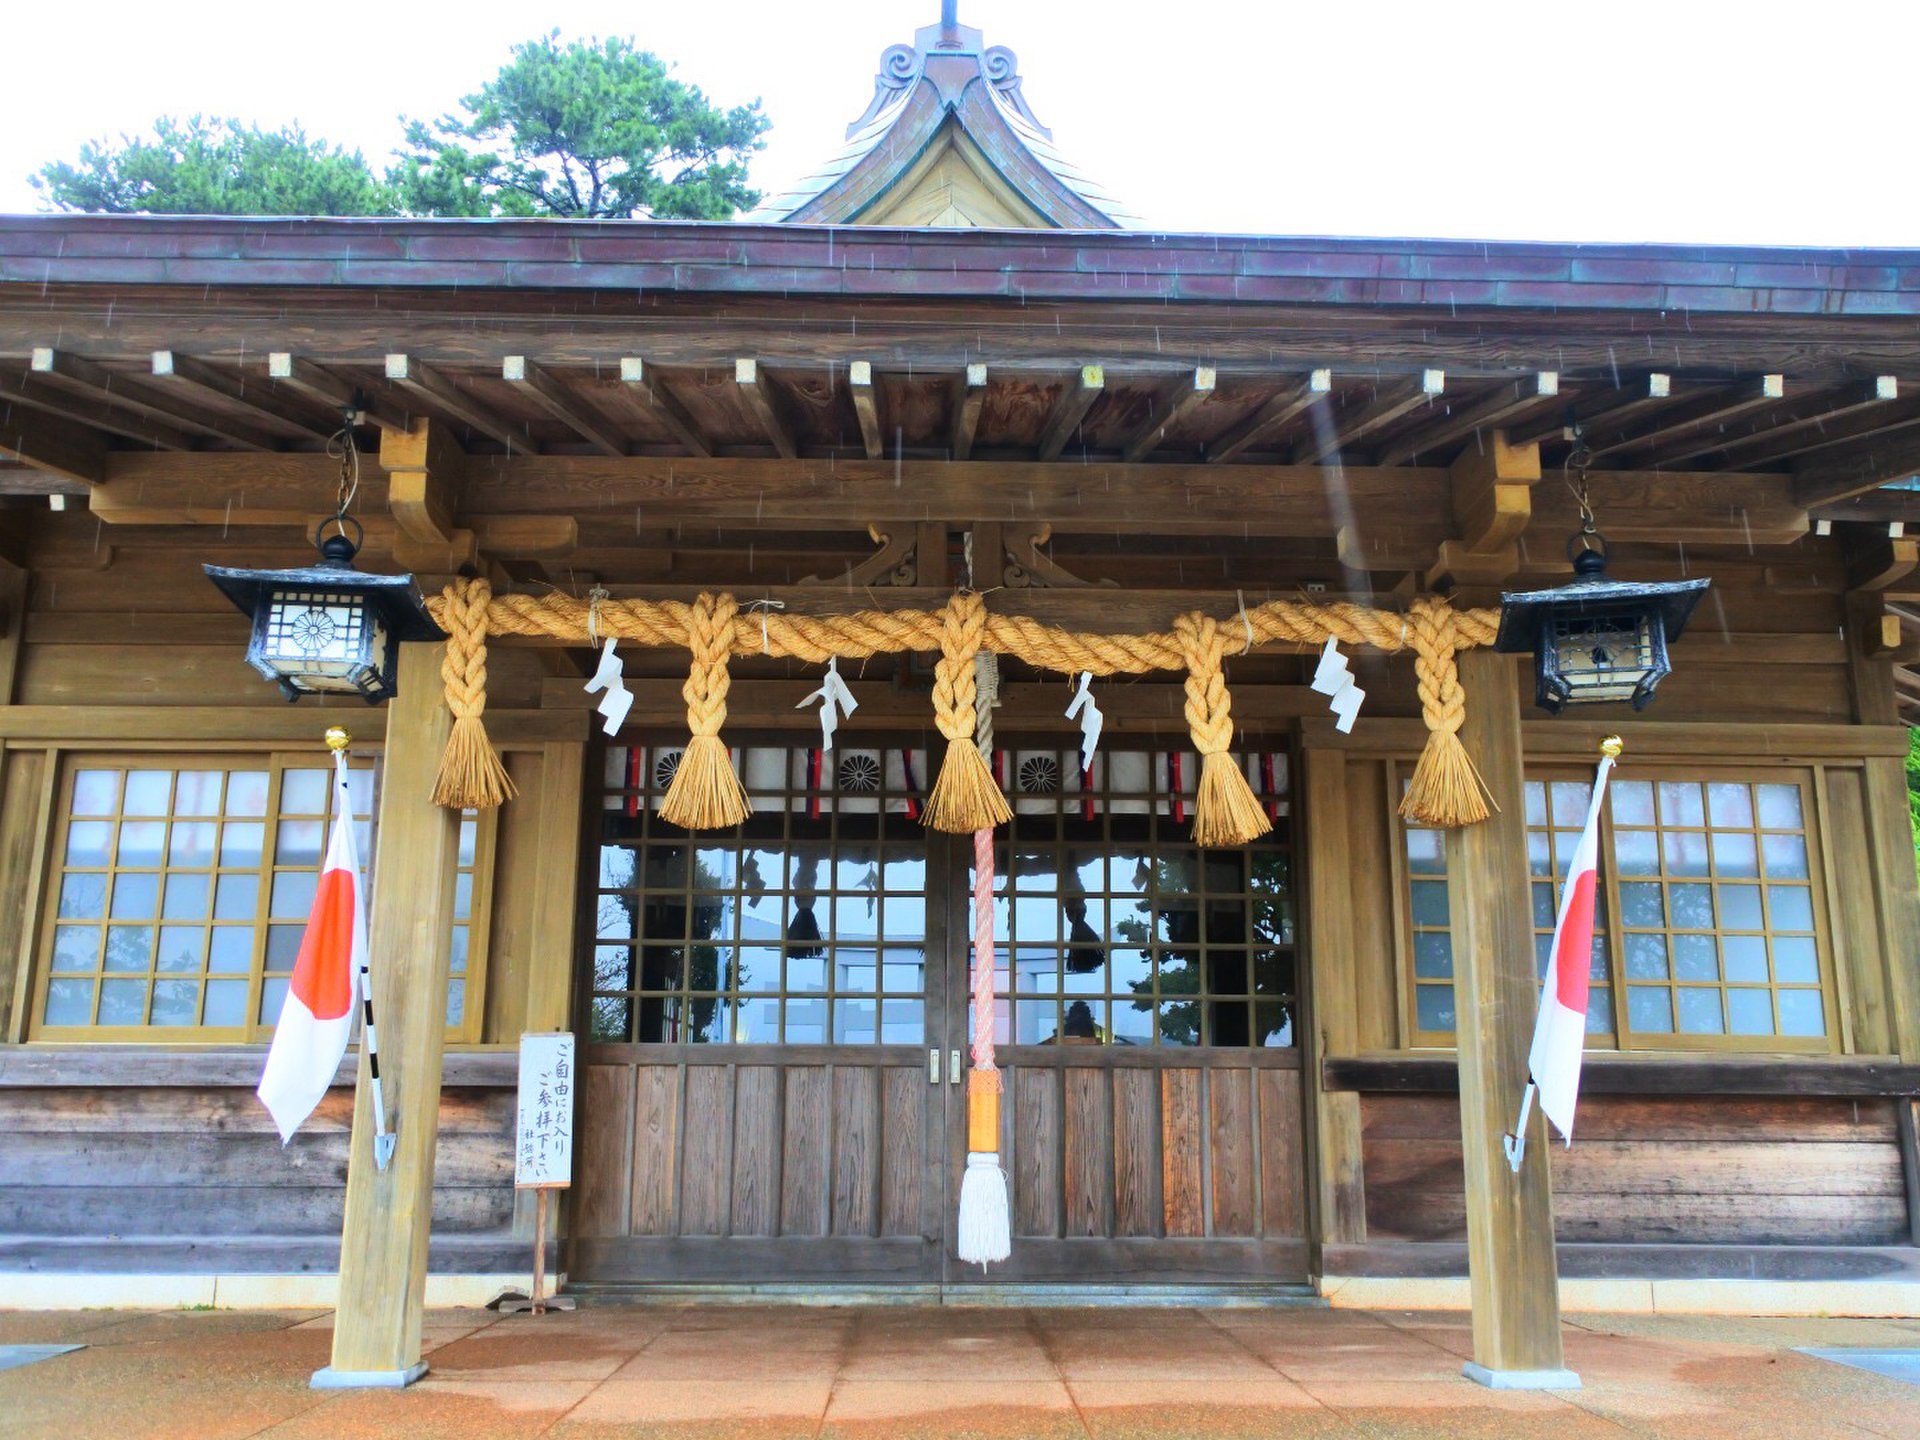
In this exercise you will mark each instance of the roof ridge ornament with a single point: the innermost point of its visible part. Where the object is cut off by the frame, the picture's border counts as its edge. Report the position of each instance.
(903, 66)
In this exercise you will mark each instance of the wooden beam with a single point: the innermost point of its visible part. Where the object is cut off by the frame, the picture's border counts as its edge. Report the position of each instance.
(383, 1240)
(648, 392)
(1103, 497)
(969, 398)
(1857, 470)
(866, 406)
(756, 394)
(174, 371)
(1188, 394)
(1702, 414)
(302, 377)
(18, 479)
(1290, 403)
(1769, 439)
(1070, 409)
(1510, 1260)
(56, 446)
(1635, 397)
(551, 396)
(423, 468)
(1871, 507)
(1387, 406)
(79, 374)
(1506, 403)
(427, 384)
(30, 390)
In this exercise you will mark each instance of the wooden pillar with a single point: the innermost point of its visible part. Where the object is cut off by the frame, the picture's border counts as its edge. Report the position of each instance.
(1340, 1180)
(1516, 1294)
(383, 1243)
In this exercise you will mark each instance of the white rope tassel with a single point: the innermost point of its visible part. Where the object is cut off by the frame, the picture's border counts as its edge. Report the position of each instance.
(986, 1227)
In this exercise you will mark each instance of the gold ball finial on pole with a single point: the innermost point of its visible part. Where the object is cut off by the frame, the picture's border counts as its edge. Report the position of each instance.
(1612, 746)
(337, 738)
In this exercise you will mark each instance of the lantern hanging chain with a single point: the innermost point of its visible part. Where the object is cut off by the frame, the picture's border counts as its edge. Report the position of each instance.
(340, 447)
(1574, 468)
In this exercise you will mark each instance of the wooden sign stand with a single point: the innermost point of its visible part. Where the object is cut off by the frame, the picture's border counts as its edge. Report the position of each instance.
(543, 1150)
(538, 1303)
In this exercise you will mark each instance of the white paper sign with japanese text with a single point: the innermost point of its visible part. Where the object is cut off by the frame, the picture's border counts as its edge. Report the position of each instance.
(543, 1138)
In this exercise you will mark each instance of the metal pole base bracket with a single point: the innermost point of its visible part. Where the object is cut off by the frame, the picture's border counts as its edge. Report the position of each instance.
(328, 1378)
(1520, 1379)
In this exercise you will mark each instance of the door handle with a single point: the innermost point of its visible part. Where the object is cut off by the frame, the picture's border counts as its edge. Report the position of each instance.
(953, 1067)
(933, 1066)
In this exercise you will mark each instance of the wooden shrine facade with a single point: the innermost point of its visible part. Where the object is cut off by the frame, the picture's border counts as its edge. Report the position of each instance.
(1231, 1067)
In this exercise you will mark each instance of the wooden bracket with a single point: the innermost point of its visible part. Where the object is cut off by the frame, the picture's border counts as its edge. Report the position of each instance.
(424, 467)
(908, 555)
(1876, 560)
(1493, 493)
(1008, 554)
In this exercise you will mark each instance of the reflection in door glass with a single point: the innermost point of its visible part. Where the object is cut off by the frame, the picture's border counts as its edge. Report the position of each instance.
(804, 925)
(1113, 928)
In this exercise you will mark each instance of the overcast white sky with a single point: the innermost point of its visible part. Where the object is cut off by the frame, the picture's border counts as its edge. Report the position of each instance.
(1756, 121)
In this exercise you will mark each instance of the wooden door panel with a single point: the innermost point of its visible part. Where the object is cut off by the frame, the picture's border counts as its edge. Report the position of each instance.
(856, 1125)
(700, 1162)
(600, 1199)
(1182, 1140)
(1139, 1166)
(1136, 1159)
(1283, 1189)
(707, 1152)
(909, 1107)
(756, 1151)
(1037, 1153)
(1230, 1139)
(1088, 1147)
(653, 1149)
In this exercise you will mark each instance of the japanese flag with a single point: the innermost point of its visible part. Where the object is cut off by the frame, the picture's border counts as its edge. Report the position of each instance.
(317, 1018)
(1560, 1034)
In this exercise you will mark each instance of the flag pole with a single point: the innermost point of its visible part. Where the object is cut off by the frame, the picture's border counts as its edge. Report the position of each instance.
(383, 1139)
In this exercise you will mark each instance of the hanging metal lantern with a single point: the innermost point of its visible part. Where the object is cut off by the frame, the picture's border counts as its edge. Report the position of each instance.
(1597, 641)
(328, 629)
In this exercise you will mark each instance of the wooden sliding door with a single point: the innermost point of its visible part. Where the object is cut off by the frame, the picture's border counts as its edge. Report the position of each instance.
(759, 1105)
(1147, 1003)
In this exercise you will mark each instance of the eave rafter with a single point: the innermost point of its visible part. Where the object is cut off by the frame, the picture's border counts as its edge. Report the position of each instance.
(643, 390)
(1389, 404)
(80, 375)
(549, 395)
(218, 390)
(1189, 393)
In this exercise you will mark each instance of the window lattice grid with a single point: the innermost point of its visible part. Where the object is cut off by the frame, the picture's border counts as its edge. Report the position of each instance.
(1112, 927)
(180, 890)
(1708, 915)
(1717, 909)
(806, 924)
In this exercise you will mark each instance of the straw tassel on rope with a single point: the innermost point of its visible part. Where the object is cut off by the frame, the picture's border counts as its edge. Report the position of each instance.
(705, 793)
(964, 798)
(471, 776)
(1445, 789)
(1225, 811)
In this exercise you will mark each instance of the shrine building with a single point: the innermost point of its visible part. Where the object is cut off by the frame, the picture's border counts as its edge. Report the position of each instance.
(948, 397)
